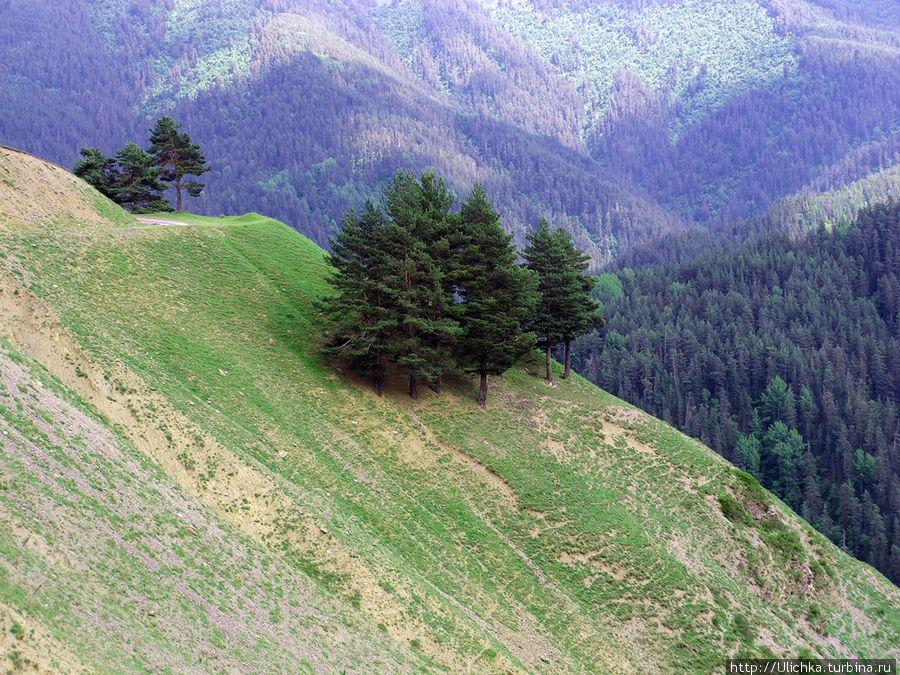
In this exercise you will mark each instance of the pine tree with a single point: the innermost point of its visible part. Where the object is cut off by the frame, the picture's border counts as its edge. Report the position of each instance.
(566, 308)
(360, 324)
(497, 295)
(138, 186)
(578, 312)
(438, 229)
(420, 299)
(178, 158)
(544, 256)
(97, 170)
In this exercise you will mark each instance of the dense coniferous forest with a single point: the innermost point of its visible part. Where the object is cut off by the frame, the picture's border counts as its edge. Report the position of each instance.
(783, 356)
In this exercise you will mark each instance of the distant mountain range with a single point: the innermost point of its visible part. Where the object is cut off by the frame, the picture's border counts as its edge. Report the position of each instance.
(620, 120)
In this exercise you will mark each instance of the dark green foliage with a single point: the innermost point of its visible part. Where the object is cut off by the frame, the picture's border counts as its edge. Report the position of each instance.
(544, 257)
(394, 284)
(360, 322)
(178, 158)
(97, 170)
(422, 291)
(579, 311)
(416, 241)
(137, 179)
(138, 186)
(783, 356)
(497, 295)
(781, 463)
(565, 307)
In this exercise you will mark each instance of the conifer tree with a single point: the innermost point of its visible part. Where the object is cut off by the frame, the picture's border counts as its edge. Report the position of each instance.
(97, 170)
(178, 158)
(420, 298)
(565, 309)
(138, 186)
(360, 323)
(544, 255)
(578, 312)
(497, 295)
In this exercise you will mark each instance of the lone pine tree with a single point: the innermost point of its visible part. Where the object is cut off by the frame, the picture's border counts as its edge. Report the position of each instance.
(178, 157)
(497, 295)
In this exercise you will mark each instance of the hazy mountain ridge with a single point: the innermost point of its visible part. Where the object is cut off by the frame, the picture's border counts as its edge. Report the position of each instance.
(636, 125)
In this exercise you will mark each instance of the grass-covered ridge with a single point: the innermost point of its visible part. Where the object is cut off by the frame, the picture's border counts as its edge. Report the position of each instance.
(561, 530)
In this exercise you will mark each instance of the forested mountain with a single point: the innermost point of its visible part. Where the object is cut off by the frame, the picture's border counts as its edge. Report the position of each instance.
(783, 356)
(620, 120)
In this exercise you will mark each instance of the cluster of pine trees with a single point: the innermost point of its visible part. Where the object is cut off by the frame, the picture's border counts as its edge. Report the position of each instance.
(422, 290)
(137, 179)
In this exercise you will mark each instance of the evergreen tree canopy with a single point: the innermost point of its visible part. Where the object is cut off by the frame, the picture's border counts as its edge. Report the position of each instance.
(783, 356)
(177, 157)
(421, 291)
(544, 256)
(497, 295)
(138, 186)
(565, 309)
(97, 170)
(578, 312)
(360, 321)
(418, 217)
(393, 277)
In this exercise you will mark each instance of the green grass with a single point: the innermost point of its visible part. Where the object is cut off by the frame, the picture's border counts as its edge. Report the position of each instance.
(560, 523)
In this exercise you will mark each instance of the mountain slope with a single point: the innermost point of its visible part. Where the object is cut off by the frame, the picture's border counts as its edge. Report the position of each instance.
(619, 120)
(711, 345)
(561, 530)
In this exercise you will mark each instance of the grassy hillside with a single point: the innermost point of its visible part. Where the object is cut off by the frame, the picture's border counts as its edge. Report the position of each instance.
(181, 469)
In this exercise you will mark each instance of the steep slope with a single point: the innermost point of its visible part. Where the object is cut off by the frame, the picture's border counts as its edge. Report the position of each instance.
(731, 343)
(561, 530)
(324, 80)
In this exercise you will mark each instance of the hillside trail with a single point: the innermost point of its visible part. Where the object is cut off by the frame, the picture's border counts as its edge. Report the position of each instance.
(162, 222)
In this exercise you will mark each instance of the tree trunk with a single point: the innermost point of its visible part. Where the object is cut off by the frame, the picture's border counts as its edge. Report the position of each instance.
(413, 388)
(568, 360)
(482, 391)
(379, 385)
(179, 204)
(549, 369)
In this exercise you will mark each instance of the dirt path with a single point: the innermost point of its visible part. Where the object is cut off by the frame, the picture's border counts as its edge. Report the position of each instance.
(162, 222)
